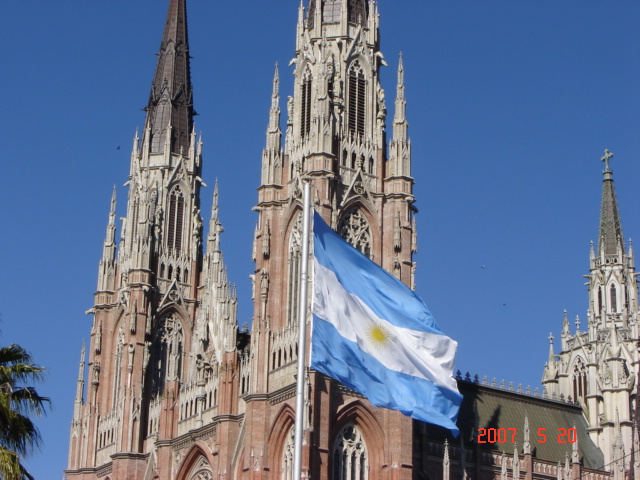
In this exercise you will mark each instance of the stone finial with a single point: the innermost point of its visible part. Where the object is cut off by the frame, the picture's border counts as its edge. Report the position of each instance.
(526, 449)
(446, 464)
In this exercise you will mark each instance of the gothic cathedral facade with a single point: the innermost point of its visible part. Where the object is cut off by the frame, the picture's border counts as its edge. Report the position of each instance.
(175, 390)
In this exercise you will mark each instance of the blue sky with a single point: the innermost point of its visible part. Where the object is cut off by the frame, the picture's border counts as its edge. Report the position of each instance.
(510, 105)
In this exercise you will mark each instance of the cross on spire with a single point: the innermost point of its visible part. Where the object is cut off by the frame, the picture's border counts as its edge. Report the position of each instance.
(605, 158)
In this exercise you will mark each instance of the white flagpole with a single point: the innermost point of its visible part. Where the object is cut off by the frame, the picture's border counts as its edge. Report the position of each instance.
(302, 333)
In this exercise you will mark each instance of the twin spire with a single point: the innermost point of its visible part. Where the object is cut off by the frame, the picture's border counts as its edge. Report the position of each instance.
(170, 108)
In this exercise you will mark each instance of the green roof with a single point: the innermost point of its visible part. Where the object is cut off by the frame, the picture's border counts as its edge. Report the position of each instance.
(496, 408)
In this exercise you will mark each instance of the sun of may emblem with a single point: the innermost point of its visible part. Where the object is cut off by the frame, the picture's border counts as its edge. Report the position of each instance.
(378, 335)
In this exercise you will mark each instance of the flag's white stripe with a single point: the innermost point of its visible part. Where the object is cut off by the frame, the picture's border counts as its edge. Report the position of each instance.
(424, 355)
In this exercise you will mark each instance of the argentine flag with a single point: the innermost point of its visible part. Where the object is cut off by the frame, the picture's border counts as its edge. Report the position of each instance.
(376, 336)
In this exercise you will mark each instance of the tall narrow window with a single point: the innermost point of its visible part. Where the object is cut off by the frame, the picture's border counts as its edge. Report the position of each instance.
(287, 457)
(305, 111)
(599, 300)
(118, 367)
(350, 459)
(357, 100)
(175, 221)
(166, 362)
(579, 380)
(354, 228)
(614, 299)
(295, 255)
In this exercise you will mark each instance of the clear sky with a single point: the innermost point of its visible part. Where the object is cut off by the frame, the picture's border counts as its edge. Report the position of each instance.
(510, 105)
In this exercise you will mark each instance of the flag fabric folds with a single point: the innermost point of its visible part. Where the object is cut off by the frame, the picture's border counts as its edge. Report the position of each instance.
(376, 336)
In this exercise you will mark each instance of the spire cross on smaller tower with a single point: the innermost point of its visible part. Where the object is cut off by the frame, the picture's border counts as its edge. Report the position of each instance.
(605, 158)
(550, 337)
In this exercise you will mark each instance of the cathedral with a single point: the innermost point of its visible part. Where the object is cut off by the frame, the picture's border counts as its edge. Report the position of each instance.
(172, 388)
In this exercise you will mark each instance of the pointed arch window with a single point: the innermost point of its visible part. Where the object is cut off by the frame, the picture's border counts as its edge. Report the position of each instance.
(305, 111)
(175, 221)
(167, 352)
(355, 229)
(295, 256)
(357, 100)
(579, 375)
(118, 366)
(349, 457)
(614, 298)
(287, 456)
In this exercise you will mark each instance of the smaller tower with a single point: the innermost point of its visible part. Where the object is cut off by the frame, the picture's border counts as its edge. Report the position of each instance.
(597, 367)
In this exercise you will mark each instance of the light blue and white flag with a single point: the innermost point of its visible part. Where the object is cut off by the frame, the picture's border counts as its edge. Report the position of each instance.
(376, 336)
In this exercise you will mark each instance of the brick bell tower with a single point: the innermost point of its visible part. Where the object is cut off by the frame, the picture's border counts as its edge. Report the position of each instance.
(163, 341)
(336, 137)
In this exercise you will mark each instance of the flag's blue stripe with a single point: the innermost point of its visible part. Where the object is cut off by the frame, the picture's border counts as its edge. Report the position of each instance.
(343, 360)
(383, 293)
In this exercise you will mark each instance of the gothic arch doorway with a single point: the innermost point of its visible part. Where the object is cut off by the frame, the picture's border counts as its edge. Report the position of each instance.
(195, 466)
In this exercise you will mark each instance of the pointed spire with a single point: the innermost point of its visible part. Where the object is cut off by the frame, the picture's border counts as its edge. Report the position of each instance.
(400, 125)
(566, 330)
(170, 108)
(400, 85)
(551, 370)
(276, 83)
(611, 241)
(516, 463)
(109, 246)
(446, 463)
(552, 355)
(526, 449)
(271, 155)
(81, 371)
(215, 227)
(79, 386)
(274, 112)
(214, 205)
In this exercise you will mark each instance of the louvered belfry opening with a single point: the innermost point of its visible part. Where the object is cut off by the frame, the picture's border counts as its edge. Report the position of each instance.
(358, 11)
(357, 94)
(176, 220)
(305, 111)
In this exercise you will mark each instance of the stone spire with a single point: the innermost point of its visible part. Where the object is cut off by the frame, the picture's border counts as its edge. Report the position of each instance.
(446, 463)
(215, 227)
(170, 108)
(106, 268)
(400, 125)
(526, 449)
(109, 247)
(272, 153)
(610, 241)
(400, 146)
(79, 401)
(594, 368)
